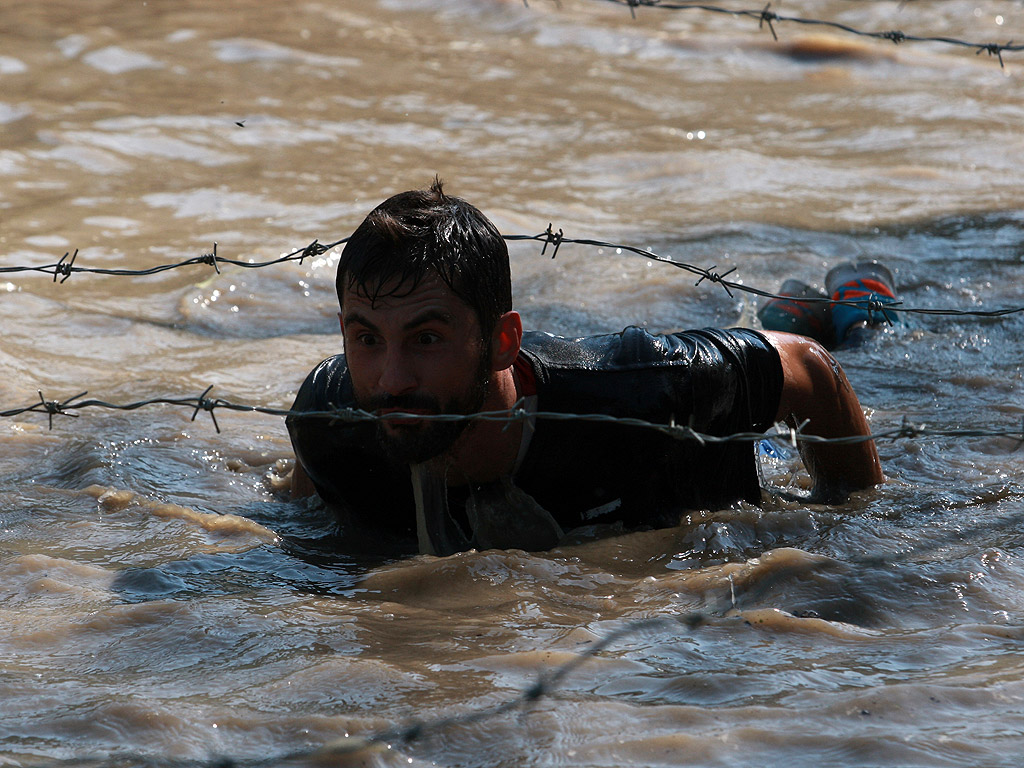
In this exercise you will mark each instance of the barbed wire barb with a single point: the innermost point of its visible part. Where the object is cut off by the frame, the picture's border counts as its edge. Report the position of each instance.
(692, 432)
(797, 432)
(714, 277)
(876, 308)
(554, 238)
(518, 413)
(202, 404)
(895, 35)
(730, 285)
(730, 602)
(549, 236)
(62, 268)
(994, 49)
(211, 258)
(907, 429)
(767, 17)
(312, 250)
(57, 408)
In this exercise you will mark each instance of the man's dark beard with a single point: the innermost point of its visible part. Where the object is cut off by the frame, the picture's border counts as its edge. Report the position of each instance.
(418, 442)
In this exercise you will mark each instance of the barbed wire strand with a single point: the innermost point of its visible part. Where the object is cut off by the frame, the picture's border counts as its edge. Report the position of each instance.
(783, 434)
(768, 18)
(545, 684)
(548, 681)
(729, 605)
(65, 266)
(878, 308)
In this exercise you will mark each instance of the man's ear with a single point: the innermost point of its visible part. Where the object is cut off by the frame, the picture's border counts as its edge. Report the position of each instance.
(506, 340)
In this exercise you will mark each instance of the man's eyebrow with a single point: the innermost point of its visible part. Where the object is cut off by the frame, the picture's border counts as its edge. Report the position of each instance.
(354, 318)
(429, 316)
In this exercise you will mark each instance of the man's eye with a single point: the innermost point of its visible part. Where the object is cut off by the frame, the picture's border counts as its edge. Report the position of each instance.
(428, 337)
(366, 339)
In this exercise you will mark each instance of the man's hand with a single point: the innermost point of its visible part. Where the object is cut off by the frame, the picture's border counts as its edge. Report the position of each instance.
(302, 486)
(816, 390)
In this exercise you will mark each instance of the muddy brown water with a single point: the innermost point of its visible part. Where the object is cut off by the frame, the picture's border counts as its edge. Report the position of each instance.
(161, 601)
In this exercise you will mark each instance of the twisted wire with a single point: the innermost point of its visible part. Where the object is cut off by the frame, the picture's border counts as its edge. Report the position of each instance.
(783, 434)
(766, 17)
(879, 307)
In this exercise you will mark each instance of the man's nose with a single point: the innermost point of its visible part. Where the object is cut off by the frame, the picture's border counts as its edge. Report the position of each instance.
(397, 376)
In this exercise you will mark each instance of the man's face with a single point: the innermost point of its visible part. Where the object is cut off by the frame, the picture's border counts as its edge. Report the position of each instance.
(415, 353)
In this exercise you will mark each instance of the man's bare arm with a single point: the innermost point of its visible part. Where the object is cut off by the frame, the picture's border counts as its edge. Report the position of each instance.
(816, 390)
(302, 486)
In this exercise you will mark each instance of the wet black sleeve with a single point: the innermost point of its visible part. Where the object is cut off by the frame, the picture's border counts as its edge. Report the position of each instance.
(719, 382)
(738, 386)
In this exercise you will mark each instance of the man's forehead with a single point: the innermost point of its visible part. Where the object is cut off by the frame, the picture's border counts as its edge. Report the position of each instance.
(394, 286)
(397, 294)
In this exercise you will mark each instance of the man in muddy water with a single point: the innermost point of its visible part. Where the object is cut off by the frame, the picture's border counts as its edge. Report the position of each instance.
(426, 316)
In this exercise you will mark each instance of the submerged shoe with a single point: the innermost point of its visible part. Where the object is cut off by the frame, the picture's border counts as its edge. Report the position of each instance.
(867, 284)
(790, 314)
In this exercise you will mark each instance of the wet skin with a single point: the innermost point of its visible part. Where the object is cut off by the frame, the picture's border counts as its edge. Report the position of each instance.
(417, 352)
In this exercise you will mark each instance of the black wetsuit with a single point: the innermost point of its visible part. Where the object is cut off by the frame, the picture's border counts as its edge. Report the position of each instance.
(719, 382)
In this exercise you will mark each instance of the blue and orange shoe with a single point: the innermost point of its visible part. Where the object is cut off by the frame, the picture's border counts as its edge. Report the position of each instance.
(792, 315)
(870, 286)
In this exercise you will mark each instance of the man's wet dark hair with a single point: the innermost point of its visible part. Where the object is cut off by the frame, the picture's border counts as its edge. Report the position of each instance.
(413, 234)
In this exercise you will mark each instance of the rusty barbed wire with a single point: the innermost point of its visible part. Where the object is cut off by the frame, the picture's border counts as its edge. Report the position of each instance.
(766, 17)
(783, 434)
(876, 307)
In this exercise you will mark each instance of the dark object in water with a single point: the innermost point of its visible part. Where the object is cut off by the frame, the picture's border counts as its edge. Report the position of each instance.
(500, 516)
(505, 517)
(829, 48)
